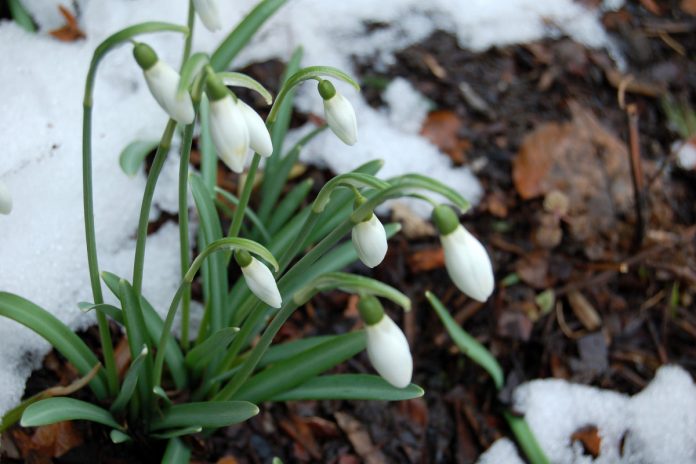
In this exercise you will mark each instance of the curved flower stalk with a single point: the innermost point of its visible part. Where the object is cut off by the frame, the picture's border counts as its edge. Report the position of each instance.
(387, 346)
(259, 279)
(163, 82)
(5, 199)
(466, 260)
(228, 126)
(339, 113)
(209, 13)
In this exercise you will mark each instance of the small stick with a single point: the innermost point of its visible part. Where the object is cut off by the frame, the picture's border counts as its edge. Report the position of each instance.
(636, 174)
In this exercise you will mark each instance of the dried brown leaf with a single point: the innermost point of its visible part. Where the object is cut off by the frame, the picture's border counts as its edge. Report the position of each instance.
(360, 439)
(71, 31)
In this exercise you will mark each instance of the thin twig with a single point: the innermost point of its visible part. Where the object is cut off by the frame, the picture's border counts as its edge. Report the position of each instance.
(636, 174)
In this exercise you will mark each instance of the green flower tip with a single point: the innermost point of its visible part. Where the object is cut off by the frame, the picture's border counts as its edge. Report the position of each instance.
(445, 219)
(326, 89)
(242, 257)
(357, 203)
(215, 88)
(145, 56)
(371, 310)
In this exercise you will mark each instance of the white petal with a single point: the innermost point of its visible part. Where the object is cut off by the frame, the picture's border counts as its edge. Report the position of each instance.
(341, 118)
(208, 12)
(163, 82)
(259, 137)
(468, 264)
(5, 199)
(389, 353)
(260, 281)
(229, 132)
(370, 241)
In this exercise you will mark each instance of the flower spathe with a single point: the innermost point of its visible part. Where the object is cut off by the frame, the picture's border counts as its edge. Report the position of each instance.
(209, 13)
(5, 199)
(163, 82)
(259, 137)
(370, 241)
(389, 353)
(261, 282)
(468, 264)
(228, 129)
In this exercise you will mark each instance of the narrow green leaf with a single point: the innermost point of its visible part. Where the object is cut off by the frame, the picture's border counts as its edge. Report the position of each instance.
(202, 354)
(248, 212)
(211, 414)
(292, 372)
(211, 231)
(134, 154)
(176, 453)
(289, 205)
(172, 353)
(349, 387)
(190, 70)
(110, 310)
(20, 15)
(160, 393)
(245, 30)
(349, 179)
(52, 410)
(178, 433)
(526, 439)
(57, 334)
(205, 144)
(278, 131)
(468, 344)
(135, 372)
(118, 437)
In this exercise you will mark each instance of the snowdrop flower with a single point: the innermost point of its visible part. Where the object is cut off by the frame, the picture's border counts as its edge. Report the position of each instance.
(5, 199)
(259, 137)
(339, 113)
(259, 279)
(466, 260)
(228, 126)
(387, 346)
(163, 82)
(208, 12)
(370, 241)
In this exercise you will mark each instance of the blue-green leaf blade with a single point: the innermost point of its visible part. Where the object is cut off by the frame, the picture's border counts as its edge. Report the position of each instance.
(52, 410)
(133, 156)
(349, 387)
(211, 414)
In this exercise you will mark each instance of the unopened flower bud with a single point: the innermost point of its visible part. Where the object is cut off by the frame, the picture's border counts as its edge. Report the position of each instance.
(259, 279)
(163, 82)
(387, 347)
(466, 260)
(370, 241)
(259, 137)
(228, 127)
(339, 113)
(209, 13)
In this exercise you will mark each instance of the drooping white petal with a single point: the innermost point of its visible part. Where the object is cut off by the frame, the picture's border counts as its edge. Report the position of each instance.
(370, 241)
(389, 353)
(163, 82)
(209, 13)
(5, 199)
(229, 132)
(340, 117)
(468, 264)
(260, 281)
(259, 137)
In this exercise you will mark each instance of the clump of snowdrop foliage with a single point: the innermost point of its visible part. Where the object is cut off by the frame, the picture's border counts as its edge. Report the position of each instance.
(286, 253)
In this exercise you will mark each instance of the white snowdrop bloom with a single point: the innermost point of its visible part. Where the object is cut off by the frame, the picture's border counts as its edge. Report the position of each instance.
(163, 81)
(229, 131)
(259, 279)
(259, 137)
(468, 264)
(5, 199)
(370, 241)
(339, 113)
(389, 353)
(209, 13)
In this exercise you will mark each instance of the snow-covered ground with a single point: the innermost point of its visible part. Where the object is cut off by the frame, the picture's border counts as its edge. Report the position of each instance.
(42, 254)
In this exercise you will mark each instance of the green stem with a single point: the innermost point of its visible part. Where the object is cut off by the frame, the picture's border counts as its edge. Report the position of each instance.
(189, 37)
(155, 169)
(183, 231)
(244, 197)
